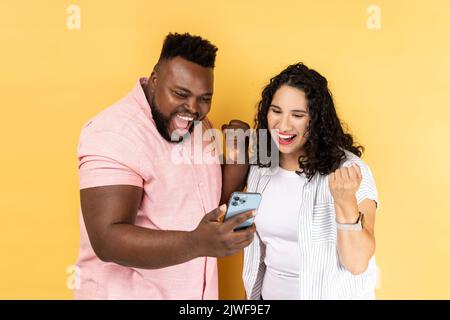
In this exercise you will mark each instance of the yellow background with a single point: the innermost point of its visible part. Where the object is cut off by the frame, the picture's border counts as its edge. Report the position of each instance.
(391, 87)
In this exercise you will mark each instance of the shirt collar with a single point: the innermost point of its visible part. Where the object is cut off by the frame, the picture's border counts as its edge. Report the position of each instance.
(141, 99)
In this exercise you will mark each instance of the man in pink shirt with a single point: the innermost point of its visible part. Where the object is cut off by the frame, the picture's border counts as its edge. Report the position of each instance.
(151, 228)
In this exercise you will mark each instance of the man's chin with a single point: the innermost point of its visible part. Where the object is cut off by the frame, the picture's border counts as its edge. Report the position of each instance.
(179, 135)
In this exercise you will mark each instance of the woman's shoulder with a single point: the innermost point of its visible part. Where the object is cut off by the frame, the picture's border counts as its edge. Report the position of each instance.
(366, 171)
(351, 157)
(255, 174)
(255, 171)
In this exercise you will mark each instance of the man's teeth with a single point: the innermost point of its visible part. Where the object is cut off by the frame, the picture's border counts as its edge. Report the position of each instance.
(284, 136)
(186, 118)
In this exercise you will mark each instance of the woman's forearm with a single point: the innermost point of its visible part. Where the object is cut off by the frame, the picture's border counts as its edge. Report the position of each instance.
(355, 248)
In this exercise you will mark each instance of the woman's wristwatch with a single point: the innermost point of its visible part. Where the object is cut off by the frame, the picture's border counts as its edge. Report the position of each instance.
(358, 226)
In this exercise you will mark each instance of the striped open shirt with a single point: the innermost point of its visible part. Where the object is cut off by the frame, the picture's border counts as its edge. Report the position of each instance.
(321, 275)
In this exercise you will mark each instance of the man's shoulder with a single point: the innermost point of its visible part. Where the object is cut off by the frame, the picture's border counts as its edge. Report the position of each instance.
(114, 117)
(124, 118)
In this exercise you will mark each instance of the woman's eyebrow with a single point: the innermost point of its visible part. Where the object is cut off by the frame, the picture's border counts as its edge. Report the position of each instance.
(301, 111)
(295, 110)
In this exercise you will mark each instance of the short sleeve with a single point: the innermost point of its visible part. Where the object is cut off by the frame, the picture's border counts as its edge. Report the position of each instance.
(107, 158)
(367, 189)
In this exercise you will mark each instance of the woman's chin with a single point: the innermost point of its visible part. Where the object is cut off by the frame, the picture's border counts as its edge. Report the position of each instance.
(289, 150)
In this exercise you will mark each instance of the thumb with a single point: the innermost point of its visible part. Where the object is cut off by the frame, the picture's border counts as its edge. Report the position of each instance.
(218, 213)
(358, 170)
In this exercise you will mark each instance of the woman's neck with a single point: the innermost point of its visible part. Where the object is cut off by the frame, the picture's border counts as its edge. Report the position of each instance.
(290, 161)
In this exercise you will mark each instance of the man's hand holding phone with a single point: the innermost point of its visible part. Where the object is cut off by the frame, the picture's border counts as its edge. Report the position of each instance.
(215, 238)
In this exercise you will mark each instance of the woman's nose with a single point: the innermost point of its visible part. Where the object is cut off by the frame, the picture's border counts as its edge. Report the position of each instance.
(284, 124)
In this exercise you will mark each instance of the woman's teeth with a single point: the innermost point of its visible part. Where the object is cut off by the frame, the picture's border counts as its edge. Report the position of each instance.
(286, 138)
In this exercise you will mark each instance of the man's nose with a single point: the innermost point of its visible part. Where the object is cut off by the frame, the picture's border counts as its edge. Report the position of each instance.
(192, 106)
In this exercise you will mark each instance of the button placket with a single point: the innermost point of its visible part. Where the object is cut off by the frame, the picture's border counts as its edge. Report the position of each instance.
(199, 184)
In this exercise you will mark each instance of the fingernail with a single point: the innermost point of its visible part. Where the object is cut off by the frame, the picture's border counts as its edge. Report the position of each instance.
(253, 213)
(223, 207)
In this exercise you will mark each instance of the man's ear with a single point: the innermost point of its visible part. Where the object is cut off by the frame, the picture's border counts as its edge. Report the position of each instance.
(153, 81)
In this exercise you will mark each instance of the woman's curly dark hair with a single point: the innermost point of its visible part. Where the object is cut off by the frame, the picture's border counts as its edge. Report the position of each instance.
(326, 139)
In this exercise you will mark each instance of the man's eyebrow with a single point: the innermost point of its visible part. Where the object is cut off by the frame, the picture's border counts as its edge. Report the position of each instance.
(295, 110)
(182, 89)
(176, 87)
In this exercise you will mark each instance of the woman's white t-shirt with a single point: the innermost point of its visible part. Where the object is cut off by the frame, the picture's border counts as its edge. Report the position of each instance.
(277, 224)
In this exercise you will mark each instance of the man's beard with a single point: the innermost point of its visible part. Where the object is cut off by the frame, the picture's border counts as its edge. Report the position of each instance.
(162, 124)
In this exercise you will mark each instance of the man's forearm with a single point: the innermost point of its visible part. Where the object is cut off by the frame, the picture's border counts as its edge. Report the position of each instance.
(234, 177)
(139, 247)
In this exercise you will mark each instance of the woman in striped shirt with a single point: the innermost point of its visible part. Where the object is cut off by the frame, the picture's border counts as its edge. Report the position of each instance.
(315, 225)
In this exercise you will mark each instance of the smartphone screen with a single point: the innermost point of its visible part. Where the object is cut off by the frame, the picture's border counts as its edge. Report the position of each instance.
(241, 202)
